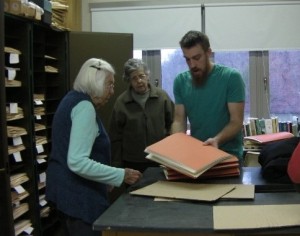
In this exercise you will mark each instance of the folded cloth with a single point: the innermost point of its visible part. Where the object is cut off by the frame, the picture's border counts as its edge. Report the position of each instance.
(274, 159)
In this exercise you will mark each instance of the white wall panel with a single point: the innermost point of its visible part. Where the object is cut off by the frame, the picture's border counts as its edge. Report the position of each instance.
(153, 27)
(259, 26)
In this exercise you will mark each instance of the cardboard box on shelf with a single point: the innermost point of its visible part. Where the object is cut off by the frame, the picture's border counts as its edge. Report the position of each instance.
(16, 7)
(23, 8)
(6, 5)
(47, 8)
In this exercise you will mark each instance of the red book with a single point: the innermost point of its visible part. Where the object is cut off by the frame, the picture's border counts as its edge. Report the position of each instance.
(185, 154)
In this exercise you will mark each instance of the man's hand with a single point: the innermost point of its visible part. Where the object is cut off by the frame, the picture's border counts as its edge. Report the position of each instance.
(212, 141)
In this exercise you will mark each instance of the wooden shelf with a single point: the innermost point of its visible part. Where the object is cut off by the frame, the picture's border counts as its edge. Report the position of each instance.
(25, 136)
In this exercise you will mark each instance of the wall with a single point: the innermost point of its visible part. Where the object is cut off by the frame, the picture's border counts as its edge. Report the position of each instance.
(86, 15)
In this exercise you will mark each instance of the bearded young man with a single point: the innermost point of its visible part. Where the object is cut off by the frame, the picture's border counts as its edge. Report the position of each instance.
(210, 96)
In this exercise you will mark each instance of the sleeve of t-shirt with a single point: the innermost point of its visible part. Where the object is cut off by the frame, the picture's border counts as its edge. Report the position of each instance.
(83, 133)
(236, 92)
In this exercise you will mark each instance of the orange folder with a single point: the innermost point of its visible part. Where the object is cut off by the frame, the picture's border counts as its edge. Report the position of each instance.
(265, 138)
(226, 168)
(185, 154)
(230, 172)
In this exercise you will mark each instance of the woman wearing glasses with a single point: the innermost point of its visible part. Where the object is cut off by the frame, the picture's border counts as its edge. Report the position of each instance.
(142, 115)
(78, 173)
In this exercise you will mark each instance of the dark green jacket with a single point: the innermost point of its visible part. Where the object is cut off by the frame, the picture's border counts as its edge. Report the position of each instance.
(133, 128)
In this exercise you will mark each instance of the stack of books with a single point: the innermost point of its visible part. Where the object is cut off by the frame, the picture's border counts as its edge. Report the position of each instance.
(256, 142)
(183, 156)
(256, 126)
(227, 168)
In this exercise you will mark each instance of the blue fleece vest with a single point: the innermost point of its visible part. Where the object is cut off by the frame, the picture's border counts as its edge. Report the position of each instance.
(72, 194)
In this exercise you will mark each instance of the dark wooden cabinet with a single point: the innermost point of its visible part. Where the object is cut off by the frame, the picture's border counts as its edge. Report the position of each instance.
(18, 106)
(35, 79)
(49, 85)
(6, 225)
(38, 65)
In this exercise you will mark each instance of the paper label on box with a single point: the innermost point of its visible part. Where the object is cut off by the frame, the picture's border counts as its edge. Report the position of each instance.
(11, 74)
(28, 230)
(17, 141)
(19, 189)
(43, 177)
(13, 108)
(17, 156)
(14, 58)
(38, 102)
(40, 161)
(38, 117)
(43, 202)
(39, 148)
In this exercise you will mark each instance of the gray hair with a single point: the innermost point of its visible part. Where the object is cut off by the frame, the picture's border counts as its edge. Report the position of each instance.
(192, 38)
(91, 77)
(132, 65)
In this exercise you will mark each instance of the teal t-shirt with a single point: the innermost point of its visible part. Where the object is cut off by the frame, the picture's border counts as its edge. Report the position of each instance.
(206, 106)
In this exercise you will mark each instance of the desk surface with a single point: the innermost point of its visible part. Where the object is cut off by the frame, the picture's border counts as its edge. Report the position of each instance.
(141, 214)
(249, 175)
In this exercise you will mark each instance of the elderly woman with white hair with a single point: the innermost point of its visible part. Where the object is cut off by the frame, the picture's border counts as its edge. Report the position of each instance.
(78, 173)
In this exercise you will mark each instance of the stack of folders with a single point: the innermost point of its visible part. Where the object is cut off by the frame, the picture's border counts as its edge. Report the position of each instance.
(183, 156)
(258, 141)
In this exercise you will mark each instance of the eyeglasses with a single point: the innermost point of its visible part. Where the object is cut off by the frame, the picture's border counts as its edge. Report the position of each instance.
(110, 86)
(138, 77)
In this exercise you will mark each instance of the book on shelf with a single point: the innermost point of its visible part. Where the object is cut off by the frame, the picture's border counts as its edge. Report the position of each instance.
(185, 154)
(253, 123)
(268, 126)
(256, 126)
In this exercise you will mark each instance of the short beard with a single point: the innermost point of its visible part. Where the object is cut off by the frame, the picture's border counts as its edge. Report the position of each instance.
(200, 80)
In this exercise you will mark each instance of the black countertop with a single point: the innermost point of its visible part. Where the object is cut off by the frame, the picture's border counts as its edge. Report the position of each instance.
(141, 213)
(249, 175)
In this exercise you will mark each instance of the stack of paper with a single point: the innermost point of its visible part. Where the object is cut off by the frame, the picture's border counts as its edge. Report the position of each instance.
(15, 131)
(186, 154)
(20, 210)
(39, 111)
(14, 149)
(38, 127)
(18, 179)
(255, 216)
(12, 83)
(40, 140)
(59, 12)
(227, 168)
(21, 225)
(13, 58)
(17, 197)
(196, 192)
(51, 69)
(14, 116)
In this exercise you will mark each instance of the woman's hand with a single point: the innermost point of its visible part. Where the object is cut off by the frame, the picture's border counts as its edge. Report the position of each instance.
(131, 176)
